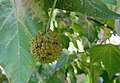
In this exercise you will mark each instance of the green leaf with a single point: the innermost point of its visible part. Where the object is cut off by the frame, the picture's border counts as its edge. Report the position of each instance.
(16, 30)
(78, 29)
(90, 32)
(86, 79)
(32, 24)
(74, 42)
(118, 2)
(85, 43)
(65, 58)
(97, 71)
(106, 78)
(107, 33)
(53, 79)
(117, 80)
(33, 79)
(3, 78)
(113, 2)
(117, 26)
(46, 70)
(72, 75)
(65, 41)
(15, 55)
(94, 8)
(88, 29)
(109, 54)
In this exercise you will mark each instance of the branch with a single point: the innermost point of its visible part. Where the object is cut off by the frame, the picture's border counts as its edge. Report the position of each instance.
(51, 14)
(105, 25)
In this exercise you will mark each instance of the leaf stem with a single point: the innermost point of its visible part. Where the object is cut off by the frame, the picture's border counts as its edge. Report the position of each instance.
(51, 14)
(91, 73)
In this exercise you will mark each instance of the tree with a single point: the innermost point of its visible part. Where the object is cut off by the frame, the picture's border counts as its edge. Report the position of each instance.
(79, 27)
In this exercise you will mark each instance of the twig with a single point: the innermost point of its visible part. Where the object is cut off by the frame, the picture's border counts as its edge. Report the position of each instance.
(51, 14)
(102, 24)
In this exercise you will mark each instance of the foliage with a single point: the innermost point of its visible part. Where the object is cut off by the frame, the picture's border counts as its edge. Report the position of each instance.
(84, 25)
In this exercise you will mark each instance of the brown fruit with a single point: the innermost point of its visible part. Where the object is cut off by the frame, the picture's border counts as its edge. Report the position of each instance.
(46, 46)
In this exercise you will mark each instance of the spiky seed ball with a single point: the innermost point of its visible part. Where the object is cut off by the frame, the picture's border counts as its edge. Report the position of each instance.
(46, 46)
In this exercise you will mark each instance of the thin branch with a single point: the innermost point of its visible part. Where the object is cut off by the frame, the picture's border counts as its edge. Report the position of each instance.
(51, 14)
(102, 24)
